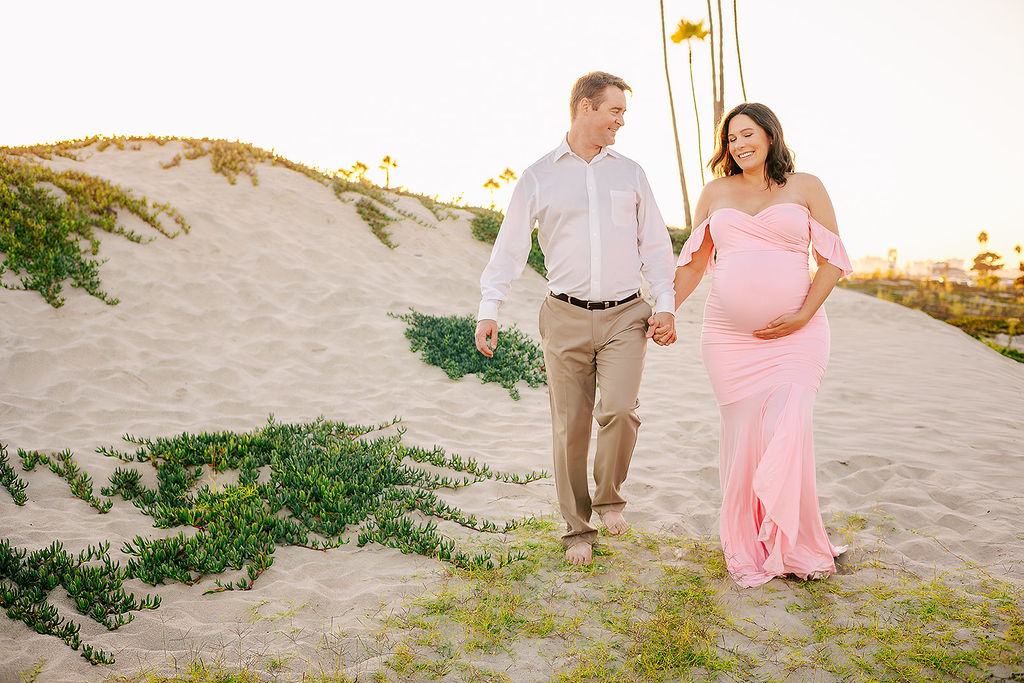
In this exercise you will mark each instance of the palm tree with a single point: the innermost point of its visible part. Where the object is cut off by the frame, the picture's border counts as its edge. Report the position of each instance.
(675, 129)
(982, 238)
(492, 185)
(508, 175)
(386, 164)
(717, 68)
(739, 60)
(688, 31)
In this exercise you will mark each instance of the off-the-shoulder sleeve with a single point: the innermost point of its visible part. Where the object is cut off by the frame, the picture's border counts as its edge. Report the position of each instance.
(693, 244)
(829, 246)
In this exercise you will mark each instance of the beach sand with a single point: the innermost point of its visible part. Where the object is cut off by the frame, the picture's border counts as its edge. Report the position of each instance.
(277, 302)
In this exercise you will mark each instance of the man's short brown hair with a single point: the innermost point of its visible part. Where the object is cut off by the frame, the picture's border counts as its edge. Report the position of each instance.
(591, 87)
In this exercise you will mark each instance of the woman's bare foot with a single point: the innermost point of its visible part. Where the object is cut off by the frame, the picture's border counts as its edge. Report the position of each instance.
(614, 522)
(579, 554)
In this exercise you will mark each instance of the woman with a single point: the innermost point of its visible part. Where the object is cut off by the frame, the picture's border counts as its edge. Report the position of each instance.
(765, 342)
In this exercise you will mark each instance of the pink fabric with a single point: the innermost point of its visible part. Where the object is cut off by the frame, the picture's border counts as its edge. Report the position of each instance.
(770, 522)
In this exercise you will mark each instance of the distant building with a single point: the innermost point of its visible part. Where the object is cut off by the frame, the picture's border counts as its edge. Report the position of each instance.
(918, 269)
(952, 270)
(867, 265)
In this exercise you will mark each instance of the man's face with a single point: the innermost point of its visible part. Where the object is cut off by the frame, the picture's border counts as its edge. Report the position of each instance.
(601, 123)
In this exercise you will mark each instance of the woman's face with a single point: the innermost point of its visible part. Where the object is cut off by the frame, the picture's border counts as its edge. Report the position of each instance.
(748, 143)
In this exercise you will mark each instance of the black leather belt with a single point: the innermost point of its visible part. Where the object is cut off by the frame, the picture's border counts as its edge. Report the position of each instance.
(593, 305)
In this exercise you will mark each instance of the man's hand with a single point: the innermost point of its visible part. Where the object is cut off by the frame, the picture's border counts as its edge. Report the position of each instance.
(662, 328)
(487, 337)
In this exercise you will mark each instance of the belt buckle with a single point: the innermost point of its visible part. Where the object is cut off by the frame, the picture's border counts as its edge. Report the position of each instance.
(596, 305)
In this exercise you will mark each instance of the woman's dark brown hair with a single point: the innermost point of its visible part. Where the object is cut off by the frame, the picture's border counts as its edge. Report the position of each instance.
(779, 160)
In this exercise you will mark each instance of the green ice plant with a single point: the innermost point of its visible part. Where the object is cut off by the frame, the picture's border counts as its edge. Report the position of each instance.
(447, 342)
(10, 479)
(63, 465)
(377, 219)
(46, 240)
(93, 584)
(298, 484)
(324, 478)
(375, 204)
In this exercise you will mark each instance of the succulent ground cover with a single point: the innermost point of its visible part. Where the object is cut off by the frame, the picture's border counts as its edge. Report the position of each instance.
(92, 582)
(10, 480)
(64, 466)
(43, 234)
(448, 342)
(46, 239)
(297, 484)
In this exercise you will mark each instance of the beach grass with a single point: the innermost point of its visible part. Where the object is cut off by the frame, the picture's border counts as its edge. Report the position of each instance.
(658, 608)
(653, 607)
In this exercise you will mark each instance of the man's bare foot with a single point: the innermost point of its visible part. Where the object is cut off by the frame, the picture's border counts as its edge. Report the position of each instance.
(579, 554)
(614, 522)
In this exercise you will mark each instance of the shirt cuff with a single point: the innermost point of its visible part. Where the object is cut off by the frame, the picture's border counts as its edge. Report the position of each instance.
(666, 303)
(488, 310)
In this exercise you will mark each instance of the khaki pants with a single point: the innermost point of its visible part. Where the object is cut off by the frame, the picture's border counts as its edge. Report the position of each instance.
(584, 349)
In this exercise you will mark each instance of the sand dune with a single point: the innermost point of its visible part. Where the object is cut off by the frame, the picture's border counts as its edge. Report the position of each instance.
(277, 302)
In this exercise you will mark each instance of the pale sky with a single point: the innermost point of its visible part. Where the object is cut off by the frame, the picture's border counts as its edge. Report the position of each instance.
(906, 109)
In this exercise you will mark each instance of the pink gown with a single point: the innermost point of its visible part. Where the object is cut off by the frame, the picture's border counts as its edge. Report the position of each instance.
(770, 522)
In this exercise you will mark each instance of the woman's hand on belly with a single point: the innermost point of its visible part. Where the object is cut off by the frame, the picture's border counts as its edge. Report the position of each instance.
(783, 325)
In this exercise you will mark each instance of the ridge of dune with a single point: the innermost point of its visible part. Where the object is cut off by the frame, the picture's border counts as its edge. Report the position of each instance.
(277, 301)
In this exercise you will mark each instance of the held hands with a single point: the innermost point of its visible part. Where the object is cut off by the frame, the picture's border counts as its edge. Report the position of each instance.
(486, 337)
(781, 326)
(662, 328)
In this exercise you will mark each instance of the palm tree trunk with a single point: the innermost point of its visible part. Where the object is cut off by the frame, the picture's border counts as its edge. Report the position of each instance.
(739, 60)
(714, 67)
(717, 78)
(720, 102)
(672, 109)
(696, 115)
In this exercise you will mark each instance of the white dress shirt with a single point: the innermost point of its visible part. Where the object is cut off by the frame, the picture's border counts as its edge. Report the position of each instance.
(599, 228)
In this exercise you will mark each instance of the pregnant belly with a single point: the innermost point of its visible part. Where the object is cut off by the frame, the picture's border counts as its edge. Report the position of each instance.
(750, 289)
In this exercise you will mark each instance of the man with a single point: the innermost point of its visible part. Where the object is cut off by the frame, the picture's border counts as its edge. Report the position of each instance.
(600, 231)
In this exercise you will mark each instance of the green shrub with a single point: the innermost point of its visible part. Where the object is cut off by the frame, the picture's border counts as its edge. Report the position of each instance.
(678, 237)
(448, 342)
(485, 226)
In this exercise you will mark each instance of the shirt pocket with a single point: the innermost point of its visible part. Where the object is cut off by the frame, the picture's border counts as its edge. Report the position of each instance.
(623, 209)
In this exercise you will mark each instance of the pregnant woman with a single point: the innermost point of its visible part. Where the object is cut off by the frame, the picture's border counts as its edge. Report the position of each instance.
(765, 342)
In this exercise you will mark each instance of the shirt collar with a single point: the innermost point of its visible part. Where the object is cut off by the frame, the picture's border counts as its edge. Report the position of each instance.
(564, 149)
